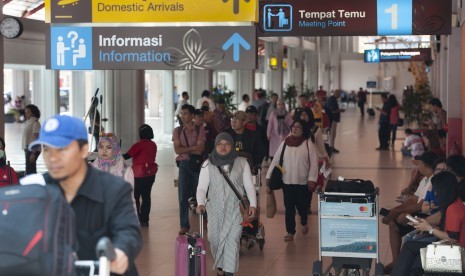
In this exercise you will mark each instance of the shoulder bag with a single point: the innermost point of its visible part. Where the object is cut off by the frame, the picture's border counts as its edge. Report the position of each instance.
(195, 160)
(244, 201)
(276, 179)
(444, 256)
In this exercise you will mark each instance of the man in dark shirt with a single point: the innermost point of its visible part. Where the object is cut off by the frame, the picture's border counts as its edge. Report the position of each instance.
(247, 143)
(335, 117)
(361, 100)
(102, 202)
(383, 129)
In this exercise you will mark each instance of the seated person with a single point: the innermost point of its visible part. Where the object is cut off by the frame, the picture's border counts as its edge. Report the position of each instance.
(409, 191)
(431, 141)
(7, 174)
(396, 219)
(413, 144)
(10, 109)
(452, 212)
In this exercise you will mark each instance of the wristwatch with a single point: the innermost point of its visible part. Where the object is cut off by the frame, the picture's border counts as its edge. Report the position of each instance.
(431, 231)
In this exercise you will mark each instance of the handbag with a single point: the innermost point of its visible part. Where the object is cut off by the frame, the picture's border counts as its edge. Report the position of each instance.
(244, 203)
(401, 122)
(195, 160)
(276, 179)
(270, 204)
(144, 170)
(442, 256)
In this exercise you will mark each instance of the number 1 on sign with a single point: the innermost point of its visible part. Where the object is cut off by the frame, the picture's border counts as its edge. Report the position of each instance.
(394, 17)
(393, 10)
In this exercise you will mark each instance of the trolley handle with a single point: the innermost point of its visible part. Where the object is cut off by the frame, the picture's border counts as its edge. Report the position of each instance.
(105, 248)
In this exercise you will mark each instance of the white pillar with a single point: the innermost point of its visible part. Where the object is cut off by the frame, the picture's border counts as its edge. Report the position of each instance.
(244, 80)
(47, 98)
(168, 113)
(200, 80)
(77, 95)
(154, 92)
(123, 101)
(20, 83)
(274, 78)
(452, 94)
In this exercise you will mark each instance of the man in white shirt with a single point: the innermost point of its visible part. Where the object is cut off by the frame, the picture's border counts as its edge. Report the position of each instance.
(245, 103)
(413, 144)
(183, 101)
(396, 219)
(206, 98)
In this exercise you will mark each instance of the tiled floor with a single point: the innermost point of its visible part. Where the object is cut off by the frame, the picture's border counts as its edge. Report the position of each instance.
(357, 140)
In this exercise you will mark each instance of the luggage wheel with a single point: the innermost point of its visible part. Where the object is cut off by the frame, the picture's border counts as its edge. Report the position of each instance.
(261, 243)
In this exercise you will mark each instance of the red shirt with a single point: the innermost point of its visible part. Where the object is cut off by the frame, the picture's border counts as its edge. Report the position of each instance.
(455, 219)
(142, 153)
(4, 176)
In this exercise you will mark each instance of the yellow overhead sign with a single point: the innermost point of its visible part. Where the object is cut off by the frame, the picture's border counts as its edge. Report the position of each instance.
(138, 11)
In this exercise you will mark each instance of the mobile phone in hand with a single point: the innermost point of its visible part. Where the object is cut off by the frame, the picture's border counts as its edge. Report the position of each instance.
(412, 219)
(384, 212)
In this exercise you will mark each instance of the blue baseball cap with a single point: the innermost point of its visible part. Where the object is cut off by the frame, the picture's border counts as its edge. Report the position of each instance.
(59, 131)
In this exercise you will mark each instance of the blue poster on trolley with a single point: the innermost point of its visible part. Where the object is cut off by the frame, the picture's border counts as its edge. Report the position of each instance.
(349, 237)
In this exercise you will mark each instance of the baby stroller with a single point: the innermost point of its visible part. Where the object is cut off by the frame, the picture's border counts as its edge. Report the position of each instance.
(254, 231)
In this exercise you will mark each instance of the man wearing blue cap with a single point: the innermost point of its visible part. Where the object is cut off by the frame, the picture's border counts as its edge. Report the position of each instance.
(102, 202)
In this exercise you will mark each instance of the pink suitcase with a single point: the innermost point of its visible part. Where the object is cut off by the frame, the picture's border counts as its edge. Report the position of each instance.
(190, 254)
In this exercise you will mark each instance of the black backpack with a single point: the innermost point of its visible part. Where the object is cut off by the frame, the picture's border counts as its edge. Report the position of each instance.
(350, 186)
(36, 231)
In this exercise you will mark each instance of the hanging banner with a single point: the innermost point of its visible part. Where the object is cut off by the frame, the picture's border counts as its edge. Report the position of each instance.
(124, 11)
(354, 17)
(151, 48)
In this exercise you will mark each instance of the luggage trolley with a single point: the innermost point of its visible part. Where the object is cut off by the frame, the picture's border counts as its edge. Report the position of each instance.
(348, 232)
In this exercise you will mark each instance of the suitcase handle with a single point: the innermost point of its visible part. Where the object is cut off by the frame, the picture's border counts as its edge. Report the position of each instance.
(201, 223)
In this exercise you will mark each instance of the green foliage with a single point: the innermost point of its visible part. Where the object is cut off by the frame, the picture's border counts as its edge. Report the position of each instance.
(414, 103)
(228, 96)
(290, 95)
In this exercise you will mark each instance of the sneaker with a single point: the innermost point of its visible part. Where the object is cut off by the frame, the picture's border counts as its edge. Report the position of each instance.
(289, 237)
(305, 229)
(183, 231)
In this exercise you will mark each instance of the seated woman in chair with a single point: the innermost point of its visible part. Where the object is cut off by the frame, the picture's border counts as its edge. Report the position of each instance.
(450, 227)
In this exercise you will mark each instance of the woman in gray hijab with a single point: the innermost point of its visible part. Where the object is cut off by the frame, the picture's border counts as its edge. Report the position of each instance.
(222, 205)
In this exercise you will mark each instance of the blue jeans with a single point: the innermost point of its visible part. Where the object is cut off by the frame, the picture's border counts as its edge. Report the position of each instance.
(187, 181)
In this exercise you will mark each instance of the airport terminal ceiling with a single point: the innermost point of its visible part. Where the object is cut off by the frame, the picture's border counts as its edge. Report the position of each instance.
(31, 9)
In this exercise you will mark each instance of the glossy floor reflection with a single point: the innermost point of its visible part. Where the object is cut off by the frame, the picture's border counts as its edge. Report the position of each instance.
(357, 139)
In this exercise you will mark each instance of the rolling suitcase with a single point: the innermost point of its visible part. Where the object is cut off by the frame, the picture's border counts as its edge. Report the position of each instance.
(190, 254)
(371, 112)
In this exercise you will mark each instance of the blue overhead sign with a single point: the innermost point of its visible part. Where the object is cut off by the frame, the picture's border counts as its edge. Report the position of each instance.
(392, 55)
(151, 48)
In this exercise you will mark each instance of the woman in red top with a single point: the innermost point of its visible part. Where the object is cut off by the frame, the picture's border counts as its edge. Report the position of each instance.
(450, 226)
(7, 174)
(393, 117)
(143, 154)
